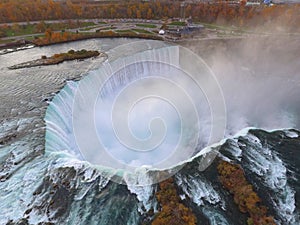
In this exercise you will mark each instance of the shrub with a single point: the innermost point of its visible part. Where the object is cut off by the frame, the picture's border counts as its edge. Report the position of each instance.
(233, 179)
(56, 56)
(82, 51)
(172, 210)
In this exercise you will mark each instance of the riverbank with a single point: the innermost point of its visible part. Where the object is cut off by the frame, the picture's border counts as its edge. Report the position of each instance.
(14, 46)
(43, 41)
(107, 34)
(53, 179)
(173, 31)
(59, 58)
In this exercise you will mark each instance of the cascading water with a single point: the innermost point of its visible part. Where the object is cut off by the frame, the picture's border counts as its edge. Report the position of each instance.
(123, 119)
(61, 187)
(147, 111)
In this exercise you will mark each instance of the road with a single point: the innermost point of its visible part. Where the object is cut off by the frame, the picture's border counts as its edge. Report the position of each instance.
(120, 24)
(129, 24)
(96, 21)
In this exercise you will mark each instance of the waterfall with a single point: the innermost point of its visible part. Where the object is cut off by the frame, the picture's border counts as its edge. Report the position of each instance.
(154, 108)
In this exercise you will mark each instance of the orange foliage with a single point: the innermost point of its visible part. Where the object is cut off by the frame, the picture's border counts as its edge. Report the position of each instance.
(59, 37)
(172, 210)
(233, 179)
(16, 10)
(56, 37)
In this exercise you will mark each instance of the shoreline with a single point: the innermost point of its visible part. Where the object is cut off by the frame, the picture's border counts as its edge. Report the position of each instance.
(24, 123)
(25, 44)
(16, 46)
(59, 58)
(113, 35)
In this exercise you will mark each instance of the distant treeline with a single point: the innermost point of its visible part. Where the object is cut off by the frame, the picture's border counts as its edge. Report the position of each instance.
(239, 14)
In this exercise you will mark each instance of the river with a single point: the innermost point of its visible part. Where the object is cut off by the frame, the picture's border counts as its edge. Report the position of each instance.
(259, 79)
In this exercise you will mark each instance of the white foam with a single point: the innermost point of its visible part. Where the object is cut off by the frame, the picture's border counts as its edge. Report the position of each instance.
(215, 218)
(291, 134)
(144, 193)
(199, 190)
(266, 164)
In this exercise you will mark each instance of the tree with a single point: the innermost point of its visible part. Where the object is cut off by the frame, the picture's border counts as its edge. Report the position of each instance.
(172, 210)
(149, 14)
(2, 33)
(41, 27)
(138, 14)
(48, 34)
(16, 28)
(233, 179)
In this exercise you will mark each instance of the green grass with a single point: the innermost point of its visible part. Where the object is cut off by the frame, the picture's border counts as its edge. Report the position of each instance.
(87, 24)
(142, 31)
(177, 23)
(64, 26)
(225, 28)
(32, 37)
(16, 30)
(6, 41)
(146, 25)
(214, 26)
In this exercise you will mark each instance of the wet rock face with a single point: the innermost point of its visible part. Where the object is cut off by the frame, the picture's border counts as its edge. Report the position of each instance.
(40, 188)
(22, 135)
(60, 194)
(267, 158)
(45, 189)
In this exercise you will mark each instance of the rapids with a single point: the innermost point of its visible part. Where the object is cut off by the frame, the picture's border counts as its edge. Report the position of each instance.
(45, 178)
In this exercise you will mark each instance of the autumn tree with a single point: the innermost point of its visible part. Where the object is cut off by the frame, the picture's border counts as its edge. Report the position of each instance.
(172, 210)
(48, 34)
(16, 27)
(41, 27)
(2, 33)
(138, 14)
(237, 14)
(233, 179)
(149, 14)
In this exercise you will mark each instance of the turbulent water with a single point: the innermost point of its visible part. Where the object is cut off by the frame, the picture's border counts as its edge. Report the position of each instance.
(44, 179)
